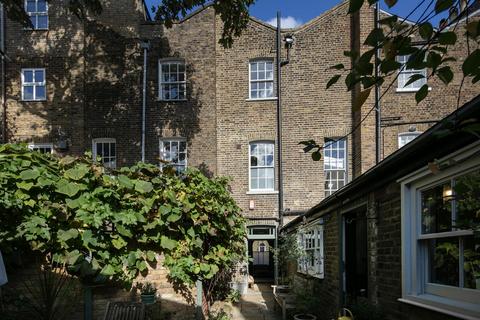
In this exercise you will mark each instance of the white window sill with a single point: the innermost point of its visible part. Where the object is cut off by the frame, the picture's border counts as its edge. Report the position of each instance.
(23, 100)
(262, 192)
(262, 99)
(453, 308)
(407, 90)
(171, 100)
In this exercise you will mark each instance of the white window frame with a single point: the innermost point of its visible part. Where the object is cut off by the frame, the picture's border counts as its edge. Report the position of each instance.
(258, 190)
(454, 301)
(316, 246)
(266, 80)
(37, 146)
(35, 14)
(34, 84)
(179, 83)
(403, 72)
(413, 134)
(161, 149)
(329, 142)
(95, 152)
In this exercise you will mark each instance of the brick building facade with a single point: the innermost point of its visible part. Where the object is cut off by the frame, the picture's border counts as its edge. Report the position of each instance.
(206, 106)
(376, 257)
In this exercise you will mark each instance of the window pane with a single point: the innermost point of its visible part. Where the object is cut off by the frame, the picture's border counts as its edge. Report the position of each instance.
(28, 92)
(471, 263)
(467, 196)
(254, 183)
(28, 76)
(253, 161)
(31, 6)
(40, 93)
(437, 209)
(39, 76)
(253, 75)
(443, 261)
(42, 22)
(41, 6)
(261, 66)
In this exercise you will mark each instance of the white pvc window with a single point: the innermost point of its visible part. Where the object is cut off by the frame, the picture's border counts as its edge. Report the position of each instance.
(405, 74)
(440, 252)
(173, 80)
(261, 79)
(335, 165)
(404, 138)
(312, 261)
(262, 166)
(106, 149)
(41, 147)
(38, 12)
(33, 85)
(173, 152)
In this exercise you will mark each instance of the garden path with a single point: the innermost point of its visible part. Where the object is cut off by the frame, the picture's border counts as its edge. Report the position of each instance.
(257, 304)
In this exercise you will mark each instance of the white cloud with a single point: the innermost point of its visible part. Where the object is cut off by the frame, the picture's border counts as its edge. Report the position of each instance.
(286, 22)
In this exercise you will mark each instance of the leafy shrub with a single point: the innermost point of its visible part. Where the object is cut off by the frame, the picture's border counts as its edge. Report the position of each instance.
(114, 225)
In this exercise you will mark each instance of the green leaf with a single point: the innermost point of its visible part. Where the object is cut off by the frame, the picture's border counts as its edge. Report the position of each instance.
(125, 181)
(339, 66)
(67, 188)
(413, 78)
(333, 80)
(445, 74)
(426, 30)
(73, 256)
(67, 235)
(173, 217)
(375, 36)
(76, 173)
(442, 5)
(24, 185)
(151, 256)
(389, 65)
(119, 243)
(421, 93)
(143, 186)
(390, 3)
(123, 231)
(471, 64)
(29, 174)
(108, 270)
(355, 5)
(316, 156)
(360, 99)
(447, 38)
(167, 243)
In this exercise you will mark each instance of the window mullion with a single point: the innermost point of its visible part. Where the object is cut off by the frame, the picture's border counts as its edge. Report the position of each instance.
(461, 274)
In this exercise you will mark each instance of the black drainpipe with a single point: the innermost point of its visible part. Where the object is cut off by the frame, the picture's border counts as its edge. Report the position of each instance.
(279, 135)
(3, 76)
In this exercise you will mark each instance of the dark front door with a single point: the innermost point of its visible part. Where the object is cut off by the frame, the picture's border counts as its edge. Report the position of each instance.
(356, 276)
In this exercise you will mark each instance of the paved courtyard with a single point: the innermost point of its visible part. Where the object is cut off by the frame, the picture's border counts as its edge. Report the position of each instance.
(257, 304)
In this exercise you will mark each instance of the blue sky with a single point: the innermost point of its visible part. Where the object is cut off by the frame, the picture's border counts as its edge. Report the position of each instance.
(295, 12)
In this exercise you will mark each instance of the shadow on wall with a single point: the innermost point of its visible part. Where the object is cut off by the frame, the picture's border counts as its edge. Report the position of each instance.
(94, 82)
(31, 292)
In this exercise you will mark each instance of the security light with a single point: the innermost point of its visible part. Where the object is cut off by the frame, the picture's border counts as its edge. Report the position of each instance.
(288, 41)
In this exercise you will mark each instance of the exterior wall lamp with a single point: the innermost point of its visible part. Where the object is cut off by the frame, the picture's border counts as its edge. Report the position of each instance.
(289, 40)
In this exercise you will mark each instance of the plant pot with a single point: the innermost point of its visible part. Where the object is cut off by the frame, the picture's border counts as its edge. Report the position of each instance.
(148, 298)
(304, 316)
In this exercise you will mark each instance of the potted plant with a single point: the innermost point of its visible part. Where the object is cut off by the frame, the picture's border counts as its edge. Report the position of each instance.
(305, 304)
(147, 292)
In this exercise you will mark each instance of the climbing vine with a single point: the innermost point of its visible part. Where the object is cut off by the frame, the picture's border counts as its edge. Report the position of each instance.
(115, 224)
